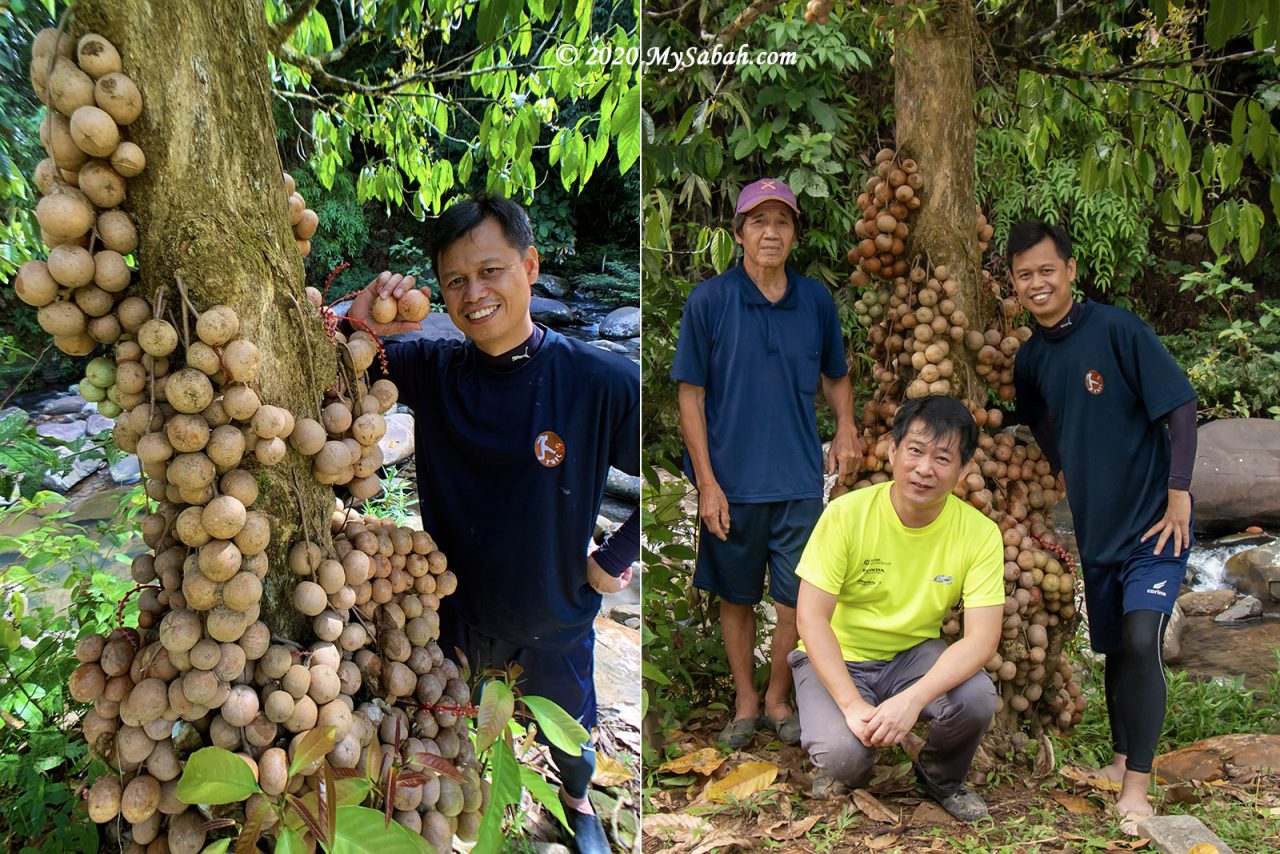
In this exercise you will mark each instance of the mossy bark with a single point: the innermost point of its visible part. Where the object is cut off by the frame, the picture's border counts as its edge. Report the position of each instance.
(211, 211)
(933, 104)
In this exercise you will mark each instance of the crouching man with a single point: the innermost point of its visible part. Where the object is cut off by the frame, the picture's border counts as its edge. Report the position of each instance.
(878, 576)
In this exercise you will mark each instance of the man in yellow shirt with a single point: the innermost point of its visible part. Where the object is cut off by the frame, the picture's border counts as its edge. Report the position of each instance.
(880, 571)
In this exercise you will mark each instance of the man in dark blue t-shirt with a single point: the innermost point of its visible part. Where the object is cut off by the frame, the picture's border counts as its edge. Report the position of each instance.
(515, 430)
(1117, 417)
(754, 342)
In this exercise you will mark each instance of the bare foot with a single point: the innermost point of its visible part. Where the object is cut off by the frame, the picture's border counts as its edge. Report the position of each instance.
(1113, 773)
(1133, 805)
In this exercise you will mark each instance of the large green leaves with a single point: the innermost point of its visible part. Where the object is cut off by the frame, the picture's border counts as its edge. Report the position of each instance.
(361, 830)
(558, 725)
(497, 704)
(215, 776)
(504, 791)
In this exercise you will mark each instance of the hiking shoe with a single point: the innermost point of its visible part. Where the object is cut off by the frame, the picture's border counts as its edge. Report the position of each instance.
(964, 805)
(738, 734)
(788, 729)
(588, 832)
(825, 788)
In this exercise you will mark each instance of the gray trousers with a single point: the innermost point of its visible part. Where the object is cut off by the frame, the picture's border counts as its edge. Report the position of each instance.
(959, 718)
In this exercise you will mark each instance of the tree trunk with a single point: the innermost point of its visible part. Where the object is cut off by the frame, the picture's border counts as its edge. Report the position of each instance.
(211, 211)
(935, 126)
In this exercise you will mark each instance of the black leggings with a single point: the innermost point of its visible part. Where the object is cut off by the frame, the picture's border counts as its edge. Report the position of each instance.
(1135, 688)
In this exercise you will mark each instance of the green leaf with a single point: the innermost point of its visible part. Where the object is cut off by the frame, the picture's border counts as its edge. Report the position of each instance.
(627, 120)
(289, 842)
(649, 670)
(362, 830)
(497, 704)
(723, 248)
(1250, 230)
(560, 728)
(218, 847)
(215, 776)
(504, 791)
(313, 746)
(543, 793)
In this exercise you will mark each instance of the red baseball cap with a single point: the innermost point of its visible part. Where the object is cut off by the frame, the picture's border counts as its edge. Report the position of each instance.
(766, 190)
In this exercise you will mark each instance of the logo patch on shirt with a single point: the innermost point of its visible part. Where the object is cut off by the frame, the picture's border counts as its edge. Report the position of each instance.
(1093, 382)
(548, 449)
(942, 579)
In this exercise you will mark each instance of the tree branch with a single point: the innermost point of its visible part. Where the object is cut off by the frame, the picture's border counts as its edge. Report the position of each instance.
(1044, 34)
(745, 19)
(281, 32)
(1123, 73)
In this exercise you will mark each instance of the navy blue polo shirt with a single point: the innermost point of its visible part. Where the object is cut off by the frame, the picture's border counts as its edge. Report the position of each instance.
(511, 471)
(760, 363)
(1104, 389)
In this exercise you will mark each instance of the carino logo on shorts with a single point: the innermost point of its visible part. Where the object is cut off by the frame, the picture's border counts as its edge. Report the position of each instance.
(1157, 589)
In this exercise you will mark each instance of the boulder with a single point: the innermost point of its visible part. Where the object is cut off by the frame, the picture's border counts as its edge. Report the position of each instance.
(1199, 603)
(436, 326)
(1256, 571)
(126, 471)
(1248, 608)
(1181, 834)
(1207, 760)
(556, 287)
(397, 442)
(68, 431)
(71, 404)
(1236, 480)
(611, 346)
(621, 323)
(97, 423)
(551, 312)
(80, 469)
(622, 485)
(1173, 635)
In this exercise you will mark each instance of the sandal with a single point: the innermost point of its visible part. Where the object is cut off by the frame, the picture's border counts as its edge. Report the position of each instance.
(788, 729)
(738, 734)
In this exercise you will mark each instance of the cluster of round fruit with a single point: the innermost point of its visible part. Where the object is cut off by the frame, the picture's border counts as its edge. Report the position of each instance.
(891, 194)
(818, 11)
(302, 219)
(78, 290)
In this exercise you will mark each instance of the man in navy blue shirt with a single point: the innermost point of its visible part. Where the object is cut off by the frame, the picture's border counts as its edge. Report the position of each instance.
(515, 430)
(755, 343)
(1116, 415)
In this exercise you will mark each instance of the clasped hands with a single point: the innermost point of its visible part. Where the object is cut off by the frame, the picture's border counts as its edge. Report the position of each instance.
(884, 725)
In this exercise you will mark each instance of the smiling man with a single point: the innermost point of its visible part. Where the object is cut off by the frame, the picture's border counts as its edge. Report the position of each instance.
(754, 342)
(884, 566)
(516, 429)
(1115, 414)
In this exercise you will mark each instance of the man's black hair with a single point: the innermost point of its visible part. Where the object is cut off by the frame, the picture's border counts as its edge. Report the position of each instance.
(939, 416)
(461, 218)
(1024, 235)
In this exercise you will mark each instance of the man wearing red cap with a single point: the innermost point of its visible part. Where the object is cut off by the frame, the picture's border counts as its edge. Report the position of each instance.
(755, 343)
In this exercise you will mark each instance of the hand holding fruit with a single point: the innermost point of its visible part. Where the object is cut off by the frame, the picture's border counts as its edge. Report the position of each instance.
(391, 304)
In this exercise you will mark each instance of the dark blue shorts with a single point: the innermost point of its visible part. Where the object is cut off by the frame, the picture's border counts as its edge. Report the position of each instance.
(564, 676)
(1143, 582)
(771, 534)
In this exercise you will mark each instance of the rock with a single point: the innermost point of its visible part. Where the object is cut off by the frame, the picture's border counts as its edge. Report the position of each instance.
(436, 326)
(603, 526)
(1202, 602)
(611, 346)
(551, 312)
(1256, 572)
(624, 612)
(1179, 834)
(1173, 635)
(62, 432)
(556, 287)
(397, 442)
(617, 669)
(1248, 608)
(550, 848)
(72, 404)
(12, 410)
(1249, 538)
(97, 423)
(1236, 480)
(622, 485)
(1206, 760)
(621, 323)
(126, 471)
(80, 469)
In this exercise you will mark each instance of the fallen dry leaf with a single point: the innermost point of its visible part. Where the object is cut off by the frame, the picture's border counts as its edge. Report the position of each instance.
(610, 772)
(1127, 844)
(1074, 803)
(1045, 759)
(677, 827)
(880, 843)
(743, 782)
(929, 814)
(1082, 778)
(704, 762)
(796, 829)
(872, 807)
(724, 839)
